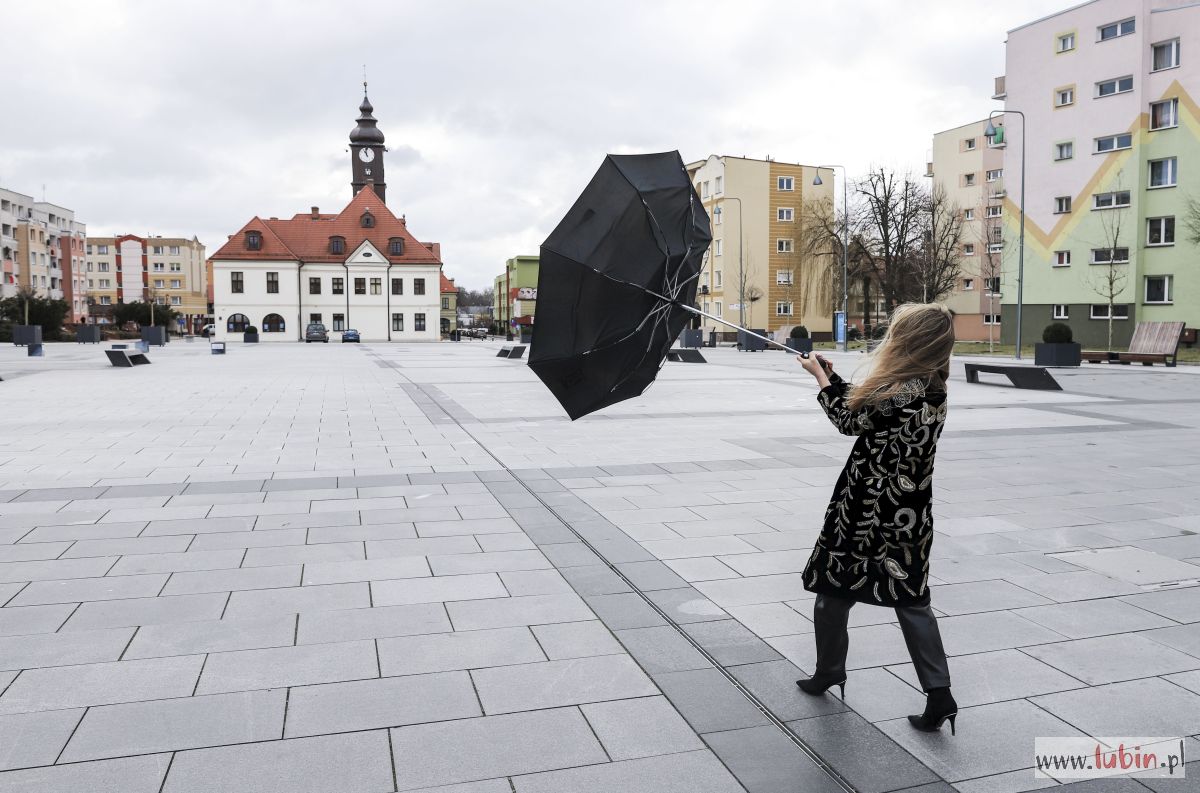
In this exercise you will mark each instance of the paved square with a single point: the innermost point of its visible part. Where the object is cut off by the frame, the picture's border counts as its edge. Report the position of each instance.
(401, 568)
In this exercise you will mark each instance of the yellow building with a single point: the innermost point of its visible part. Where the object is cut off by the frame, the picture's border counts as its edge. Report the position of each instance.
(760, 269)
(168, 270)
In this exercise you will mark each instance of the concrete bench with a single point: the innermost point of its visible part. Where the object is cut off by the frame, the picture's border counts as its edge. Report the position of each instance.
(515, 351)
(685, 355)
(1034, 377)
(123, 358)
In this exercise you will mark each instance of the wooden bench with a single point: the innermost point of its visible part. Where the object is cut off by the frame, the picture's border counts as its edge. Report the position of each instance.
(124, 358)
(1034, 377)
(1152, 342)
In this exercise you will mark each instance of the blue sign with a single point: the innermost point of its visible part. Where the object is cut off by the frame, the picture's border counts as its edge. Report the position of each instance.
(839, 326)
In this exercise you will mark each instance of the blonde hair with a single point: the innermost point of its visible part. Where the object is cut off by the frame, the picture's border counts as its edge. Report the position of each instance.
(918, 344)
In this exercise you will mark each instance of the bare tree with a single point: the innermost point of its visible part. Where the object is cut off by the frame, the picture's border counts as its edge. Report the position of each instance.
(990, 262)
(821, 241)
(939, 265)
(1108, 273)
(1191, 219)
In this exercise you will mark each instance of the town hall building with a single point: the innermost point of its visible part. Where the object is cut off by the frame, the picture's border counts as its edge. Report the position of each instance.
(360, 268)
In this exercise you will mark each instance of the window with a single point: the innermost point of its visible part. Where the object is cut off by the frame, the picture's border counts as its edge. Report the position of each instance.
(995, 174)
(1110, 255)
(89, 248)
(445, 304)
(717, 308)
(105, 300)
(398, 322)
(236, 285)
(156, 250)
(716, 216)
(176, 267)
(102, 250)
(783, 277)
(1117, 85)
(993, 211)
(969, 144)
(968, 284)
(1064, 151)
(1101, 311)
(1114, 200)
(1113, 142)
(339, 286)
(991, 284)
(314, 285)
(418, 322)
(102, 267)
(1158, 289)
(787, 183)
(367, 220)
(718, 185)
(783, 246)
(159, 267)
(253, 241)
(360, 286)
(783, 309)
(397, 286)
(395, 246)
(237, 323)
(159, 283)
(1062, 258)
(419, 287)
(1164, 114)
(272, 283)
(1160, 231)
(339, 321)
(176, 283)
(337, 245)
(704, 189)
(377, 286)
(1066, 42)
(1164, 173)
(968, 214)
(273, 323)
(969, 249)
(1062, 204)
(1115, 30)
(991, 319)
(996, 247)
(1059, 312)
(1165, 55)
(717, 276)
(105, 283)
(173, 250)
(968, 180)
(784, 214)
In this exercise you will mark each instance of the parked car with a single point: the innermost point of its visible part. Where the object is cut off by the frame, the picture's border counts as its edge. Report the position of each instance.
(316, 332)
(207, 330)
(479, 333)
(350, 335)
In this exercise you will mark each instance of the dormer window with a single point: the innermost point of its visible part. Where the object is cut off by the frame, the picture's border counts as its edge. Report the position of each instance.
(337, 244)
(396, 246)
(253, 241)
(368, 220)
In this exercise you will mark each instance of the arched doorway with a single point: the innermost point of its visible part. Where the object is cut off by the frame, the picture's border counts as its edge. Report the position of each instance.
(237, 323)
(272, 323)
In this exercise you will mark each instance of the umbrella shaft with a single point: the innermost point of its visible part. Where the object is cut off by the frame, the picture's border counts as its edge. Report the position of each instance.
(734, 325)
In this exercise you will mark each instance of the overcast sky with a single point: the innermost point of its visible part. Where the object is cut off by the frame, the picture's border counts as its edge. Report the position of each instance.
(189, 118)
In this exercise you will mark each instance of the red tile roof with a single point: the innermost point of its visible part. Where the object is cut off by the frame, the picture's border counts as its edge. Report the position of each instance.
(448, 284)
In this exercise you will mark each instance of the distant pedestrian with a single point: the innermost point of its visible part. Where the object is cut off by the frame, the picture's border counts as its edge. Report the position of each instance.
(875, 543)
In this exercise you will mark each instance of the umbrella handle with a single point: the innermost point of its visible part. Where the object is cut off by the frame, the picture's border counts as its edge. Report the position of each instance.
(735, 326)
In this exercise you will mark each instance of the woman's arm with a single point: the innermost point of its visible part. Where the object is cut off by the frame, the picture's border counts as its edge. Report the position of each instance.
(832, 398)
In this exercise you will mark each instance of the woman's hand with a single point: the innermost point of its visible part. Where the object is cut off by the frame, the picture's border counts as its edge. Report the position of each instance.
(817, 366)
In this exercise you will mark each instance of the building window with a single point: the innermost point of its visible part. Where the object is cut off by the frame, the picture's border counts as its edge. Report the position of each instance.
(718, 247)
(719, 185)
(1066, 42)
(1064, 151)
(367, 220)
(1164, 173)
(1114, 30)
(996, 247)
(314, 285)
(1110, 255)
(1114, 200)
(419, 287)
(102, 267)
(159, 267)
(272, 283)
(968, 214)
(704, 189)
(995, 174)
(718, 278)
(273, 323)
(418, 322)
(1062, 258)
(360, 286)
(1113, 143)
(1062, 204)
(969, 144)
(969, 249)
(173, 250)
(783, 246)
(786, 183)
(1100, 311)
(716, 215)
(105, 300)
(253, 241)
(159, 283)
(968, 180)
(992, 285)
(339, 321)
(397, 286)
(1117, 85)
(1160, 231)
(993, 211)
(237, 323)
(236, 285)
(337, 244)
(445, 304)
(784, 214)
(398, 322)
(968, 284)
(176, 267)
(717, 308)
(1165, 55)
(783, 309)
(377, 286)
(991, 319)
(1060, 312)
(176, 300)
(339, 286)
(1164, 114)
(1158, 289)
(395, 246)
(783, 277)
(156, 250)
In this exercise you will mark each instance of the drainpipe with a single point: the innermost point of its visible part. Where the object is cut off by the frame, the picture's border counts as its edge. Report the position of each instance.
(388, 287)
(346, 289)
(299, 303)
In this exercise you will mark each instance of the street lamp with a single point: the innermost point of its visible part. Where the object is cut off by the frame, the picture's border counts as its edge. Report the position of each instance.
(991, 132)
(845, 252)
(741, 273)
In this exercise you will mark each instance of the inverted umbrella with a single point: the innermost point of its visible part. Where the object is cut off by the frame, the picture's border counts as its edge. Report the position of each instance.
(617, 281)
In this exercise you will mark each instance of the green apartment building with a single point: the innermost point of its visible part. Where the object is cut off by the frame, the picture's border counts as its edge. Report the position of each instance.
(514, 293)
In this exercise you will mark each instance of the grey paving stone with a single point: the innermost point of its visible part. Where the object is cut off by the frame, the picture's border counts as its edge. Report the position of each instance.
(101, 684)
(15, 621)
(83, 531)
(214, 636)
(687, 772)
(631, 728)
(551, 684)
(385, 702)
(177, 562)
(983, 678)
(311, 520)
(730, 642)
(773, 619)
(352, 763)
(411, 655)
(246, 670)
(146, 611)
(594, 580)
(52, 570)
(576, 639)
(174, 724)
(535, 582)
(1087, 618)
(437, 589)
(864, 756)
(233, 580)
(748, 591)
(515, 541)
(1151, 707)
(294, 600)
(429, 546)
(624, 610)
(61, 649)
(649, 576)
(462, 526)
(378, 531)
(32, 552)
(198, 526)
(128, 775)
(492, 746)
(1185, 638)
(129, 546)
(377, 622)
(662, 649)
(497, 561)
(308, 483)
(976, 596)
(1110, 659)
(1181, 605)
(686, 605)
(231, 486)
(708, 701)
(1067, 587)
(765, 761)
(507, 612)
(996, 630)
(73, 590)
(701, 568)
(249, 539)
(33, 739)
(878, 695)
(304, 554)
(774, 683)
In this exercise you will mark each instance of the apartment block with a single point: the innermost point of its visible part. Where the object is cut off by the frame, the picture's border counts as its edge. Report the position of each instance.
(1108, 90)
(514, 294)
(168, 270)
(41, 246)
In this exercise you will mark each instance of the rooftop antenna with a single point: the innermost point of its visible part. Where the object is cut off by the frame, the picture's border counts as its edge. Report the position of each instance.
(364, 81)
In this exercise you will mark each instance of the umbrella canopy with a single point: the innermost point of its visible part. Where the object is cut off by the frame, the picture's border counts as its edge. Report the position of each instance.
(614, 279)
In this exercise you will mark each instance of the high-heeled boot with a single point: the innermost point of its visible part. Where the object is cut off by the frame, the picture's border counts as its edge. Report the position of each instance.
(940, 707)
(819, 683)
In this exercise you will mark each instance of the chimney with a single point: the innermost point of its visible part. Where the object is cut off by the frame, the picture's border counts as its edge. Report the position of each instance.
(316, 213)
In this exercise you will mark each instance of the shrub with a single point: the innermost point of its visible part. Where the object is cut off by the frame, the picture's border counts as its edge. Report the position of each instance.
(853, 333)
(251, 330)
(799, 332)
(879, 331)
(1058, 333)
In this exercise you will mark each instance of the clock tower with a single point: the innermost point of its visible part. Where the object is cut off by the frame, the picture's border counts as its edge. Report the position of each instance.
(366, 151)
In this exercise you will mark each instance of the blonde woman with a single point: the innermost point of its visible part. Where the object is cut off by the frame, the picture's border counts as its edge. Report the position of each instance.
(874, 546)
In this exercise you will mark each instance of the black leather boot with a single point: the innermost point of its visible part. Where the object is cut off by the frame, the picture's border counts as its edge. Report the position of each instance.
(819, 683)
(940, 707)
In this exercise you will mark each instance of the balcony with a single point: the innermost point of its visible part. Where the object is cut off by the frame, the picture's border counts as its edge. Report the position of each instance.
(999, 92)
(928, 169)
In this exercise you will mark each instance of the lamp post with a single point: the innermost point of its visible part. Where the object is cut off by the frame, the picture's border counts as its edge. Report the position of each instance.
(845, 252)
(990, 131)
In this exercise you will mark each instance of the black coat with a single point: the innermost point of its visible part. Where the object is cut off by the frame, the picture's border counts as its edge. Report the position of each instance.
(874, 546)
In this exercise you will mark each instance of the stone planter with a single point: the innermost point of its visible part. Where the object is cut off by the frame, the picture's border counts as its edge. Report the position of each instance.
(87, 334)
(1057, 354)
(250, 338)
(799, 345)
(27, 334)
(691, 337)
(155, 334)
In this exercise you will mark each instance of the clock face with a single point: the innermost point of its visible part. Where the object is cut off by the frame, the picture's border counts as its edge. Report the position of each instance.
(366, 155)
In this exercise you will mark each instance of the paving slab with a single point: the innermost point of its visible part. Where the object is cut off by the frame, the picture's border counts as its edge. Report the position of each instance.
(385, 702)
(688, 772)
(442, 652)
(33, 739)
(126, 775)
(87, 685)
(247, 670)
(552, 684)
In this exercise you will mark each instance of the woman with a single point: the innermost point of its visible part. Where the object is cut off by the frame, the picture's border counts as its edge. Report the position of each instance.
(874, 547)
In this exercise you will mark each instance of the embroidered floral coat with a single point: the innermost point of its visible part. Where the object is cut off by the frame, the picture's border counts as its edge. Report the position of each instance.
(874, 546)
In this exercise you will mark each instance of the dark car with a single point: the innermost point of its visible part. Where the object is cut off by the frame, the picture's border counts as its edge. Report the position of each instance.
(350, 335)
(316, 332)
